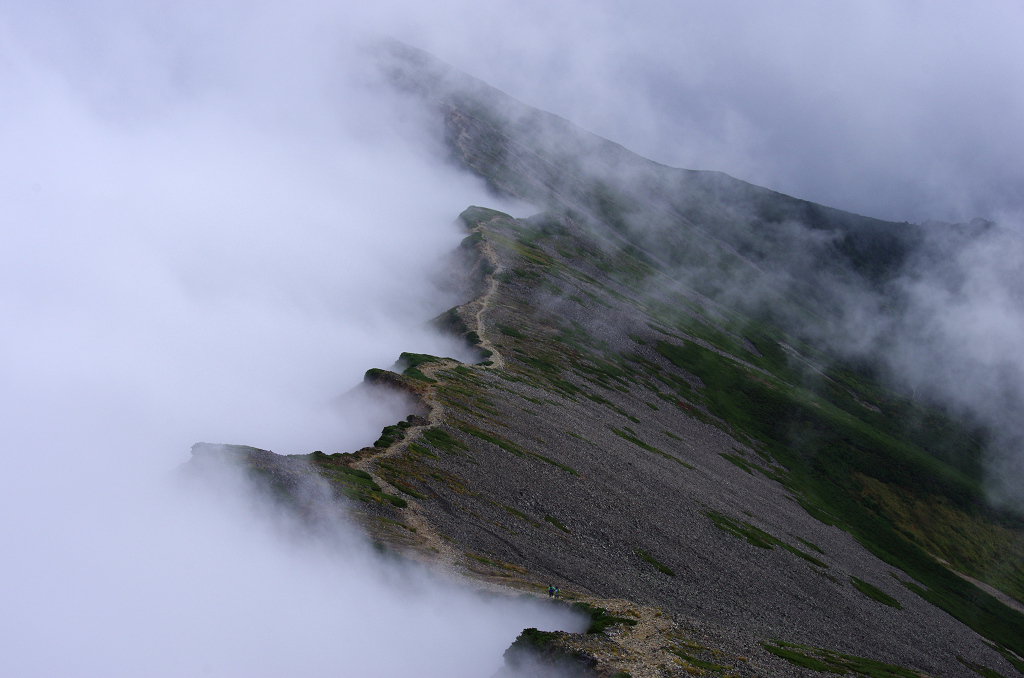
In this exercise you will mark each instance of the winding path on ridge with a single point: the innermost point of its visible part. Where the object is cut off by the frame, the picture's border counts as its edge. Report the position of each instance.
(447, 556)
(483, 302)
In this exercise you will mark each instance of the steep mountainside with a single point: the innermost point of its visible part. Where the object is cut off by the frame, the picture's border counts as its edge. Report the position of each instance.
(642, 432)
(660, 449)
(725, 237)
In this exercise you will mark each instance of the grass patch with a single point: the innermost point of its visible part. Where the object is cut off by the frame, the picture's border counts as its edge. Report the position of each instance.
(554, 521)
(519, 514)
(443, 441)
(412, 362)
(980, 669)
(510, 331)
(471, 240)
(405, 488)
(801, 659)
(639, 443)
(813, 547)
(1016, 661)
(699, 663)
(599, 617)
(990, 552)
(391, 435)
(660, 567)
(757, 537)
(532, 646)
(737, 461)
(875, 593)
(384, 497)
(579, 437)
(827, 661)
(422, 449)
(511, 447)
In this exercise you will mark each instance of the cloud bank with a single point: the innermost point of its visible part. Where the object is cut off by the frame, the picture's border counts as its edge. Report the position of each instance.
(213, 223)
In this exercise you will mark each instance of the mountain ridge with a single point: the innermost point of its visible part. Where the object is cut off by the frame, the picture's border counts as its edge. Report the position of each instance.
(636, 433)
(591, 475)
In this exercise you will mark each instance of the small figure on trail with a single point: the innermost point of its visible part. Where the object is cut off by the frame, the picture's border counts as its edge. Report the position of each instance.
(551, 591)
(558, 592)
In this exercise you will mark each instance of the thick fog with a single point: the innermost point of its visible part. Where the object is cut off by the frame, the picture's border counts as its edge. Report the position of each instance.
(214, 221)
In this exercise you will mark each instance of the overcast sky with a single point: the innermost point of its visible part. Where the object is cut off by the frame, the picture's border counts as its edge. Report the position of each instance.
(212, 224)
(899, 110)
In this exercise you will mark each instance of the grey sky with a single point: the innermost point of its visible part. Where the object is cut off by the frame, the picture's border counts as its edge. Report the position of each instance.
(900, 110)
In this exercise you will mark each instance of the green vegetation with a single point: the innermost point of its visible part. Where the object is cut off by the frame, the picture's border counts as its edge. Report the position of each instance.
(511, 447)
(423, 450)
(827, 661)
(474, 216)
(737, 461)
(393, 500)
(543, 644)
(639, 443)
(699, 663)
(971, 543)
(875, 593)
(554, 521)
(443, 441)
(519, 514)
(599, 617)
(1015, 660)
(399, 478)
(471, 240)
(510, 331)
(874, 464)
(756, 536)
(412, 362)
(349, 482)
(450, 321)
(664, 569)
(809, 545)
(979, 668)
(900, 476)
(390, 435)
(835, 445)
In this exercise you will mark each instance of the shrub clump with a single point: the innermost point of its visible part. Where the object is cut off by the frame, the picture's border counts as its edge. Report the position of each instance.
(599, 617)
